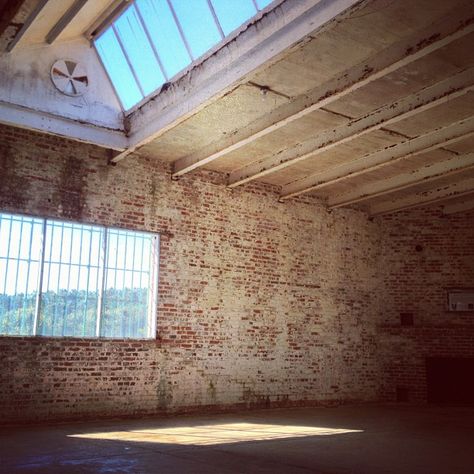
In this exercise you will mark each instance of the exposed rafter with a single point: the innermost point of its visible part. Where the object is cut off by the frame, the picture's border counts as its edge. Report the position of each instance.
(260, 44)
(439, 35)
(465, 205)
(64, 21)
(29, 21)
(8, 10)
(425, 174)
(423, 100)
(385, 157)
(423, 198)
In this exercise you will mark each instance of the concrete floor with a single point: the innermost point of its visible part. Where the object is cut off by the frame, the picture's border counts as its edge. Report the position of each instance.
(365, 440)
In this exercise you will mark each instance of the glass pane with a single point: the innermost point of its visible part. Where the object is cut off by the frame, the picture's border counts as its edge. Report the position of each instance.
(20, 251)
(261, 4)
(165, 35)
(139, 51)
(70, 280)
(116, 66)
(198, 25)
(128, 280)
(233, 13)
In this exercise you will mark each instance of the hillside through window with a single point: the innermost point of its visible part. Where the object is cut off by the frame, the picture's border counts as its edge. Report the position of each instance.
(60, 278)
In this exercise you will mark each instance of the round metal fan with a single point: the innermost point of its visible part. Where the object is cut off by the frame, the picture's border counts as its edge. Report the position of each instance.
(69, 77)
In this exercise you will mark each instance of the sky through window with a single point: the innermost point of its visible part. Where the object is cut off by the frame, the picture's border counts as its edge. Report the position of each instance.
(154, 40)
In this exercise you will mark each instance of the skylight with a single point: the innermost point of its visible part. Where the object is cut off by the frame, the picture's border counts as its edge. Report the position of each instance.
(154, 40)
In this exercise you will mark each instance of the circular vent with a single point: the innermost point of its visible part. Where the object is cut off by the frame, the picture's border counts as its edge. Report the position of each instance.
(69, 77)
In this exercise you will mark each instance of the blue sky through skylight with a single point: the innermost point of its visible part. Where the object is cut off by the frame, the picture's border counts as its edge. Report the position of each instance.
(153, 40)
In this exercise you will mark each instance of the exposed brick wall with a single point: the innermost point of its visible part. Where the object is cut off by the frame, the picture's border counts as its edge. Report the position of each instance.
(259, 302)
(425, 252)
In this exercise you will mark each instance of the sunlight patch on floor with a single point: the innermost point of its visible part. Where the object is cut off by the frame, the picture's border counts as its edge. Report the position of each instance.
(215, 434)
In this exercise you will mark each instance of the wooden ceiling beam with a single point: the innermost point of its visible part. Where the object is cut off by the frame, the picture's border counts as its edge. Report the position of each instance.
(425, 174)
(436, 195)
(411, 105)
(404, 52)
(387, 156)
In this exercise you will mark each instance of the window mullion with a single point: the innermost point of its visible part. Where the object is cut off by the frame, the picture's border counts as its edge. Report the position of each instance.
(216, 20)
(100, 297)
(150, 40)
(180, 29)
(40, 278)
(127, 58)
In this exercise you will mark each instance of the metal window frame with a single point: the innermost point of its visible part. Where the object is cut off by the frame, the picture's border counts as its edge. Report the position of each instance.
(152, 271)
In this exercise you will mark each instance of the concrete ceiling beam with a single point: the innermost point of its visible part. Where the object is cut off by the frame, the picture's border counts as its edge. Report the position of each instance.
(8, 11)
(404, 52)
(385, 157)
(411, 105)
(26, 26)
(64, 21)
(259, 45)
(23, 117)
(467, 204)
(425, 174)
(435, 195)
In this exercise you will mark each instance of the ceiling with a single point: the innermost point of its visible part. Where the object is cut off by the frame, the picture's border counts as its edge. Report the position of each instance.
(329, 152)
(373, 111)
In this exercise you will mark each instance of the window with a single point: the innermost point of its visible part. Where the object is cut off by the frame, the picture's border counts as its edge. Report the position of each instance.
(61, 278)
(154, 40)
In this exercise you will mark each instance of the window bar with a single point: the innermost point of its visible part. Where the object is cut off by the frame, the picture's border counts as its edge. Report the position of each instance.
(124, 273)
(115, 278)
(255, 5)
(17, 273)
(141, 265)
(216, 20)
(81, 241)
(132, 69)
(25, 298)
(99, 57)
(153, 287)
(140, 280)
(180, 29)
(1, 258)
(148, 35)
(66, 303)
(50, 259)
(59, 279)
(132, 329)
(87, 285)
(8, 256)
(40, 278)
(101, 275)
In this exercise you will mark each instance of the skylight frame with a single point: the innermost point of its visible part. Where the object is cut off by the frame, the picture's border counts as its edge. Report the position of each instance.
(194, 61)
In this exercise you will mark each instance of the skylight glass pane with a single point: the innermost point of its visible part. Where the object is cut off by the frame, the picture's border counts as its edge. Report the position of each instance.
(165, 35)
(261, 4)
(198, 25)
(233, 13)
(139, 51)
(116, 65)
